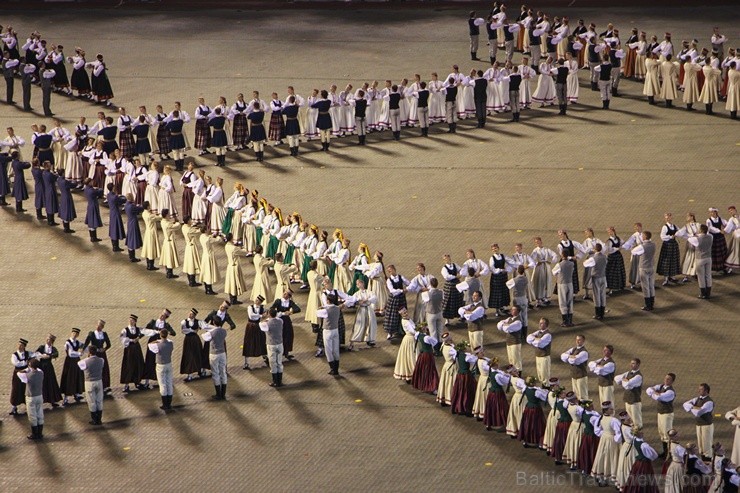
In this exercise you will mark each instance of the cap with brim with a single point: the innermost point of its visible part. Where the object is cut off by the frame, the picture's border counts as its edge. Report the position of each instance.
(227, 302)
(76, 330)
(194, 311)
(133, 317)
(167, 311)
(623, 415)
(23, 341)
(571, 396)
(554, 381)
(607, 405)
(260, 298)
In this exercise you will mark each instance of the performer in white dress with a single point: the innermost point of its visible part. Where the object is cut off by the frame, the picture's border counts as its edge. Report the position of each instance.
(436, 100)
(166, 194)
(572, 81)
(545, 92)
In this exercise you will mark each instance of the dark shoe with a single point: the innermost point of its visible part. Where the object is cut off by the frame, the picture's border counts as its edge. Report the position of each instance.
(274, 380)
(217, 395)
(223, 392)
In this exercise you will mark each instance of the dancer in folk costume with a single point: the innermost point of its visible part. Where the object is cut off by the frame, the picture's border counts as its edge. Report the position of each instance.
(425, 376)
(125, 137)
(669, 260)
(72, 381)
(627, 451)
(238, 114)
(311, 131)
(453, 299)
(202, 132)
(406, 356)
(641, 477)
(366, 325)
(608, 428)
(532, 427)
(545, 92)
(496, 407)
(716, 226)
(163, 134)
(516, 404)
(565, 420)
(463, 391)
(572, 80)
(690, 230)
(448, 373)
(590, 440)
(80, 80)
(277, 124)
(101, 88)
(555, 395)
(733, 229)
(616, 276)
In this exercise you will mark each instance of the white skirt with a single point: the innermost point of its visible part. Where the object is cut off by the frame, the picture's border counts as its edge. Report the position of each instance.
(311, 131)
(151, 195)
(436, 107)
(166, 201)
(545, 92)
(572, 87)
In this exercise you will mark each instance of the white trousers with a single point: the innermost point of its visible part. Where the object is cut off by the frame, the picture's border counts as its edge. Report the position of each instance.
(94, 395)
(218, 368)
(164, 378)
(275, 356)
(331, 344)
(35, 409)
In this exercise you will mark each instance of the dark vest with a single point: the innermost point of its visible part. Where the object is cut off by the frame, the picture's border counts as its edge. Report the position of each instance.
(606, 71)
(542, 352)
(508, 35)
(706, 418)
(578, 371)
(562, 75)
(393, 101)
(360, 107)
(423, 98)
(593, 57)
(564, 416)
(479, 91)
(632, 396)
(515, 81)
(608, 379)
(451, 94)
(665, 407)
(515, 337)
(616, 62)
(474, 30)
(492, 33)
(533, 40)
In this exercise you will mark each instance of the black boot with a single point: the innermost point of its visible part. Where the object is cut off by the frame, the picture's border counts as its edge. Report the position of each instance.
(564, 320)
(40, 432)
(607, 102)
(223, 392)
(614, 92)
(164, 403)
(274, 380)
(492, 60)
(473, 55)
(702, 293)
(170, 275)
(93, 417)
(646, 305)
(50, 220)
(689, 107)
(652, 303)
(451, 128)
(562, 109)
(19, 206)
(709, 109)
(570, 320)
(100, 417)
(733, 115)
(669, 103)
(651, 100)
(280, 379)
(594, 86)
(116, 247)
(33, 435)
(708, 291)
(132, 256)
(217, 395)
(454, 128)
(39, 215)
(67, 229)
(397, 135)
(233, 300)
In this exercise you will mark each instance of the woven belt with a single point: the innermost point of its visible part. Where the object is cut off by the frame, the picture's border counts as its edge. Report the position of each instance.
(291, 118)
(175, 133)
(109, 140)
(323, 112)
(44, 149)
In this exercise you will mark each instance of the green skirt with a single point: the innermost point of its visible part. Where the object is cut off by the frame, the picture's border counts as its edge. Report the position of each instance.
(272, 247)
(331, 270)
(226, 225)
(306, 267)
(289, 254)
(358, 275)
(258, 230)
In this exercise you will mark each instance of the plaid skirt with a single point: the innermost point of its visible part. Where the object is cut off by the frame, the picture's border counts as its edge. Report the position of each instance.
(240, 134)
(126, 144)
(616, 276)
(669, 260)
(391, 317)
(202, 135)
(719, 251)
(452, 300)
(499, 296)
(277, 127)
(163, 140)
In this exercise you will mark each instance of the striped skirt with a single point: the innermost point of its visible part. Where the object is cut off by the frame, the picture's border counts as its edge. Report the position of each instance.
(669, 260)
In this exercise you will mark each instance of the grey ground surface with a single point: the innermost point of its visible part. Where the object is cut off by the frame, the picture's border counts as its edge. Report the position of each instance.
(415, 200)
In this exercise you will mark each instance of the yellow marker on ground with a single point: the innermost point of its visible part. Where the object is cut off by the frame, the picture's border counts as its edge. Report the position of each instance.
(358, 400)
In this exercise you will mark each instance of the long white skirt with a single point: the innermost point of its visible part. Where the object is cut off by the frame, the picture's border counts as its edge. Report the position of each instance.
(413, 117)
(545, 92)
(371, 115)
(525, 93)
(572, 87)
(199, 209)
(436, 107)
(405, 359)
(311, 131)
(166, 201)
(337, 119)
(366, 325)
(151, 195)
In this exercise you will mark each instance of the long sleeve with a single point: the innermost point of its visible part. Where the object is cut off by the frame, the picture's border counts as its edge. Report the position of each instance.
(648, 451)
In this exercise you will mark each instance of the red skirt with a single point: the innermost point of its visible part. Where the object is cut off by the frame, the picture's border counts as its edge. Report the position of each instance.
(425, 376)
(723, 89)
(558, 443)
(463, 394)
(140, 191)
(587, 452)
(99, 176)
(700, 80)
(629, 62)
(497, 409)
(277, 127)
(642, 479)
(118, 182)
(85, 166)
(187, 201)
(681, 74)
(532, 427)
(240, 133)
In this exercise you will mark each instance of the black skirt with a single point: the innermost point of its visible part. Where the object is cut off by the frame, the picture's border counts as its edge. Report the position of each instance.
(17, 389)
(257, 133)
(143, 146)
(205, 356)
(150, 362)
(669, 260)
(81, 81)
(106, 371)
(192, 354)
(255, 341)
(616, 276)
(452, 300)
(101, 87)
(499, 296)
(50, 387)
(219, 138)
(132, 364)
(73, 379)
(288, 334)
